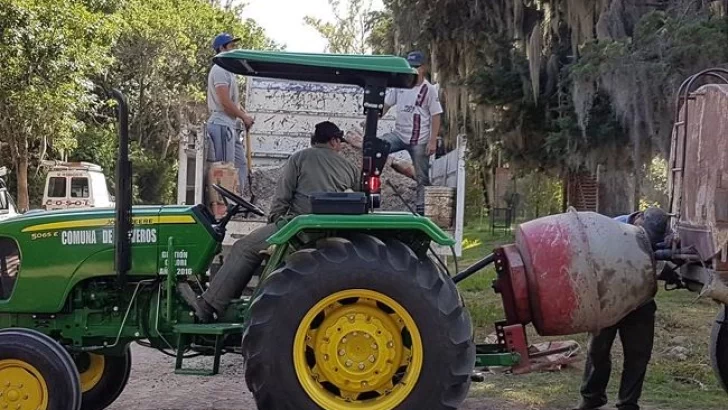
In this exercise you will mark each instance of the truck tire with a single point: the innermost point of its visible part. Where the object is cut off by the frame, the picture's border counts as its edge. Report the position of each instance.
(357, 323)
(37, 372)
(719, 348)
(103, 378)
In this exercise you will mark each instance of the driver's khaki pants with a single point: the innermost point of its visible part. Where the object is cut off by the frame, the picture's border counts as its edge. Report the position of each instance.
(238, 268)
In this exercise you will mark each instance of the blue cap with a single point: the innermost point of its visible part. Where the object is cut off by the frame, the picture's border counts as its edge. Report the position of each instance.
(222, 40)
(416, 58)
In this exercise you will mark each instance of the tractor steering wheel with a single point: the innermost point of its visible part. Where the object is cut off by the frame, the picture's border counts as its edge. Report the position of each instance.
(247, 206)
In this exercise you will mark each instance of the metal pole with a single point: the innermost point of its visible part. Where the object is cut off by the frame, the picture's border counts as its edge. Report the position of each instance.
(474, 268)
(182, 170)
(200, 165)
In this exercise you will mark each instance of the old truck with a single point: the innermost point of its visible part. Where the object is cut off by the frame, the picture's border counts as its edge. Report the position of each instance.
(75, 185)
(698, 184)
(285, 113)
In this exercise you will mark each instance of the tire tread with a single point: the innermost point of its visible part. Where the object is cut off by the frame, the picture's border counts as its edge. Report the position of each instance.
(397, 257)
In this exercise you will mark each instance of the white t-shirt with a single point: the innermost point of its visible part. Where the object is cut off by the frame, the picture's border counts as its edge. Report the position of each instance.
(220, 76)
(415, 108)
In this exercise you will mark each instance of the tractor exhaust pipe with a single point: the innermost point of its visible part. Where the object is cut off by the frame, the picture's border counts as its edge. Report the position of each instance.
(123, 223)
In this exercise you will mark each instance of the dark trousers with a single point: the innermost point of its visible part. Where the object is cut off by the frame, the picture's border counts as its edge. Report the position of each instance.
(238, 268)
(637, 333)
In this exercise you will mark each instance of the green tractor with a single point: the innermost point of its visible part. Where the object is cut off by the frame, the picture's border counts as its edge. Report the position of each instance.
(350, 311)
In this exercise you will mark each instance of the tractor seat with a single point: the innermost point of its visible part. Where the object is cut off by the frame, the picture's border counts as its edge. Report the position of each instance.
(338, 203)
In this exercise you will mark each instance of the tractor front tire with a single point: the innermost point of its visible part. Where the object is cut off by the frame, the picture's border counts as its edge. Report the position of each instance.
(36, 372)
(357, 323)
(719, 347)
(103, 378)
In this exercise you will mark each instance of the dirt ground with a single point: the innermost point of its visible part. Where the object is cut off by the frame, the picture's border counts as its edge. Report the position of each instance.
(154, 386)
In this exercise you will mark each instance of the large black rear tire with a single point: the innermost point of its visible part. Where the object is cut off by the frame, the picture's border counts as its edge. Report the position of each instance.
(719, 347)
(362, 286)
(103, 378)
(37, 372)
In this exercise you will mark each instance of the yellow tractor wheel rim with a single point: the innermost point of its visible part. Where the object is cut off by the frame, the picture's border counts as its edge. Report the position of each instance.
(358, 349)
(92, 375)
(22, 387)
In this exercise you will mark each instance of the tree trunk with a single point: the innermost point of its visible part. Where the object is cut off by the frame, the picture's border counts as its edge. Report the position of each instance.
(616, 192)
(19, 151)
(486, 179)
(23, 200)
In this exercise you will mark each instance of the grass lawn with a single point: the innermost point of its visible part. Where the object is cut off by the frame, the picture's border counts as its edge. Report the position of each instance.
(671, 383)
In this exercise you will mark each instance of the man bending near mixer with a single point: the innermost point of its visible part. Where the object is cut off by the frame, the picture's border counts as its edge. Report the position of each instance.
(319, 168)
(636, 331)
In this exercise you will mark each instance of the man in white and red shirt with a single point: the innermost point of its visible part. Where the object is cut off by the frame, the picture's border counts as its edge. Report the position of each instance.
(417, 125)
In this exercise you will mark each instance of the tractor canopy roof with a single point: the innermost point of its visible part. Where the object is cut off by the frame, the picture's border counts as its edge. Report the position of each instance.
(326, 68)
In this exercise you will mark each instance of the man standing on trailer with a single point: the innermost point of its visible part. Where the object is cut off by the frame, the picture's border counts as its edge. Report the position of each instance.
(226, 114)
(418, 124)
(636, 331)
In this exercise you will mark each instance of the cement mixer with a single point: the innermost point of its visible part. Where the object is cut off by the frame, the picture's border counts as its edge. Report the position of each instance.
(566, 274)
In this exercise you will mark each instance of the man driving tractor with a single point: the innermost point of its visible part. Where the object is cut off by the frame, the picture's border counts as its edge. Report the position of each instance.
(319, 168)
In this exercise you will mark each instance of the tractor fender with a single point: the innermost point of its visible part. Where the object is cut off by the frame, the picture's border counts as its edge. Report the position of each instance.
(389, 221)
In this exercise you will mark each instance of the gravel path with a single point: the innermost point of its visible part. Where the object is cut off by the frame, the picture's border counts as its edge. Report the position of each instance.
(154, 386)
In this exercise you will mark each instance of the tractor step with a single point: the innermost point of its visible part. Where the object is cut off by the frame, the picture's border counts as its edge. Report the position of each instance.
(494, 355)
(219, 330)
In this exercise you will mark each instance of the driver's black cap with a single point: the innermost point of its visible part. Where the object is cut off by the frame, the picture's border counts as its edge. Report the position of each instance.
(325, 132)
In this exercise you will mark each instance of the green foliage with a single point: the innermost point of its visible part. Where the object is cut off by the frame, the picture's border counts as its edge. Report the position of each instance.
(538, 194)
(499, 80)
(48, 49)
(381, 39)
(596, 56)
(655, 192)
(349, 32)
(498, 84)
(641, 73)
(162, 57)
(98, 145)
(680, 39)
(606, 101)
(157, 52)
(153, 178)
(475, 195)
(567, 144)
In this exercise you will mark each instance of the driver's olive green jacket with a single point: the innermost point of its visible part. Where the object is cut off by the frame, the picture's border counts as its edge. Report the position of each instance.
(312, 170)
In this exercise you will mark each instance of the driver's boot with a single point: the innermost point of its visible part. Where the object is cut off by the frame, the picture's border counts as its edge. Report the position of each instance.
(204, 312)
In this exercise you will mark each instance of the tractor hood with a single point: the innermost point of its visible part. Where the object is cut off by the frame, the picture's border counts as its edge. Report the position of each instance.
(41, 223)
(39, 215)
(61, 249)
